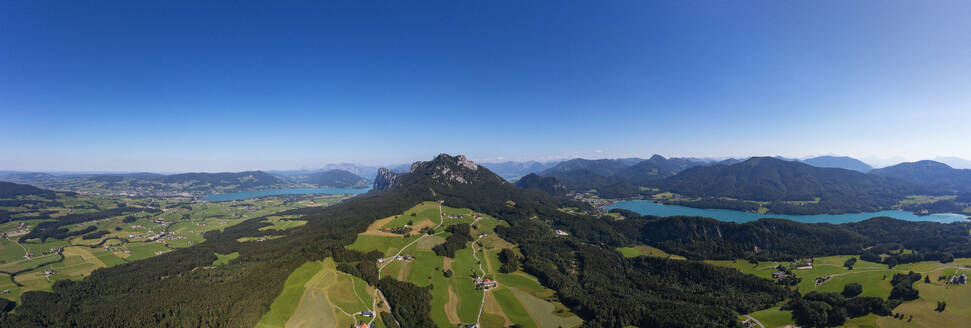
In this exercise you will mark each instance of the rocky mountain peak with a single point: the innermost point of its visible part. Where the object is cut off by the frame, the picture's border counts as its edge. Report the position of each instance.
(385, 180)
(444, 169)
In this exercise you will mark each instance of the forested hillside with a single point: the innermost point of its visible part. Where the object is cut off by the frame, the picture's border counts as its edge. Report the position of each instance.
(930, 173)
(549, 185)
(12, 190)
(775, 239)
(818, 190)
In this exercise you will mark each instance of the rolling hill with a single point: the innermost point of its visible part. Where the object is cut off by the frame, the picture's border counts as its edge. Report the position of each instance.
(930, 173)
(549, 185)
(12, 190)
(768, 179)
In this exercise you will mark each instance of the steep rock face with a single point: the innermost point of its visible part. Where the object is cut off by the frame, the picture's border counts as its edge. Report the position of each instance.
(385, 180)
(447, 170)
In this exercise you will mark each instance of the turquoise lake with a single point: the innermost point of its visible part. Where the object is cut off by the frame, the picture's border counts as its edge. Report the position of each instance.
(277, 192)
(645, 207)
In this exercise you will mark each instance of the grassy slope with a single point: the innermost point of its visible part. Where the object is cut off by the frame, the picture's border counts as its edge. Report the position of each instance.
(871, 276)
(224, 259)
(427, 269)
(647, 251)
(286, 303)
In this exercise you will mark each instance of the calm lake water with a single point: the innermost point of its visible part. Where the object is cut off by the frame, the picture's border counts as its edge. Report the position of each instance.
(276, 192)
(645, 207)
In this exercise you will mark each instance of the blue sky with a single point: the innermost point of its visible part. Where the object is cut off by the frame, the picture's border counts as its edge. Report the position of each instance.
(225, 86)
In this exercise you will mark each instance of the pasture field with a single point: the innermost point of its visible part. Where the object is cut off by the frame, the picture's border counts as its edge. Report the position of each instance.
(283, 223)
(956, 314)
(772, 317)
(646, 250)
(317, 295)
(544, 312)
(286, 303)
(875, 279)
(224, 259)
(179, 223)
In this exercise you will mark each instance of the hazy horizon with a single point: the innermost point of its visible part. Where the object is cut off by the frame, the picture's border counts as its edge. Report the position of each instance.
(874, 162)
(178, 87)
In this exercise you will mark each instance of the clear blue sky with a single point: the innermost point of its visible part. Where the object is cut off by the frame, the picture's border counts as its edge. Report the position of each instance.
(234, 85)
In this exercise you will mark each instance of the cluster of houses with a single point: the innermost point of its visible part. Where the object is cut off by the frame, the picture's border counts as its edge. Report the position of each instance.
(4, 292)
(485, 283)
(561, 232)
(403, 257)
(53, 250)
(111, 249)
(779, 275)
(805, 264)
(23, 229)
(959, 279)
(365, 325)
(48, 273)
(156, 236)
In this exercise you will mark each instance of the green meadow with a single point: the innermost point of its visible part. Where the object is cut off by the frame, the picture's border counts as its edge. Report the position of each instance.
(875, 279)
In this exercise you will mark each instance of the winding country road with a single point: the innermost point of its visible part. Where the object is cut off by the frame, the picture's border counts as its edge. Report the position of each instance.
(377, 292)
(482, 305)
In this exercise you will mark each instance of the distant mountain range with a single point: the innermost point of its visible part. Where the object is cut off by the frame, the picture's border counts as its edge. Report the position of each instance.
(518, 169)
(955, 162)
(616, 178)
(337, 179)
(842, 162)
